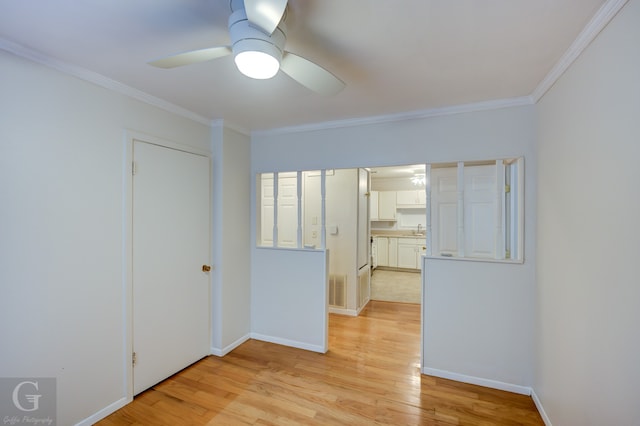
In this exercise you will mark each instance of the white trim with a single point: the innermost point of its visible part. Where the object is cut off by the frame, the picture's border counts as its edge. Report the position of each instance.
(231, 126)
(423, 288)
(343, 311)
(154, 140)
(540, 408)
(600, 20)
(410, 115)
(222, 352)
(100, 80)
(460, 231)
(428, 228)
(287, 342)
(500, 210)
(489, 383)
(299, 236)
(127, 263)
(478, 259)
(361, 308)
(101, 414)
(218, 123)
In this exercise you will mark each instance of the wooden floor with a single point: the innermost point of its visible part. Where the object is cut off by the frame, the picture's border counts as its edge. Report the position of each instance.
(370, 376)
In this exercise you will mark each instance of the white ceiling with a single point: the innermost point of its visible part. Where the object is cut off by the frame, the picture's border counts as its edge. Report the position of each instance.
(395, 56)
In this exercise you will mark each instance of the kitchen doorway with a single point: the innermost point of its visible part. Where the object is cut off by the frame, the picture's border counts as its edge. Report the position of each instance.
(396, 286)
(398, 222)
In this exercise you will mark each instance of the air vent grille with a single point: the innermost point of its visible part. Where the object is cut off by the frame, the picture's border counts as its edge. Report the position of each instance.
(338, 291)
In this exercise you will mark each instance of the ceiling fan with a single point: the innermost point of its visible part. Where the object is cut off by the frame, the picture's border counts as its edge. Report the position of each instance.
(257, 32)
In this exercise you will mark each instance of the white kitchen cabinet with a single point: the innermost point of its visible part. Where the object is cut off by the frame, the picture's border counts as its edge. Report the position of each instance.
(373, 205)
(411, 199)
(387, 250)
(406, 253)
(410, 251)
(382, 249)
(393, 252)
(387, 205)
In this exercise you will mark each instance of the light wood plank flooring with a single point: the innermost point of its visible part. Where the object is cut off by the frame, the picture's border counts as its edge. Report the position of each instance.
(370, 376)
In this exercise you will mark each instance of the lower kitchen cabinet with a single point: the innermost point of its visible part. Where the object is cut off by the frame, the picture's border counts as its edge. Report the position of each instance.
(410, 251)
(399, 252)
(387, 251)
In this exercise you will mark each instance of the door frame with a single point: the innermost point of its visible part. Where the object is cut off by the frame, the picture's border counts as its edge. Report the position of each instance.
(127, 240)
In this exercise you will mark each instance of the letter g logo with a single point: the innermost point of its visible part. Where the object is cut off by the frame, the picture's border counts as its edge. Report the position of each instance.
(33, 399)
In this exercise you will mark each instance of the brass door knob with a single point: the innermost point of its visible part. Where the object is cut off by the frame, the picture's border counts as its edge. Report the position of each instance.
(206, 268)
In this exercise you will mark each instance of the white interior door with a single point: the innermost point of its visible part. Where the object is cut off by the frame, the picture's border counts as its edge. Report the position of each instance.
(288, 209)
(171, 240)
(444, 210)
(480, 211)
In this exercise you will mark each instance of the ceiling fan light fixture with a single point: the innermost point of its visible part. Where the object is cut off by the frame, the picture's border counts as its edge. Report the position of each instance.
(256, 54)
(419, 179)
(256, 59)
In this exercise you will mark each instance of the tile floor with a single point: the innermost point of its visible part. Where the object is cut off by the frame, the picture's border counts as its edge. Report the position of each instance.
(396, 286)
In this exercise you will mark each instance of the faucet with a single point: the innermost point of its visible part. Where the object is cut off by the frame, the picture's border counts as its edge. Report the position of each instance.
(419, 227)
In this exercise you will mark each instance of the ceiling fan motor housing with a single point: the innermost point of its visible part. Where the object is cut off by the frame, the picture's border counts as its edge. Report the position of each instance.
(245, 37)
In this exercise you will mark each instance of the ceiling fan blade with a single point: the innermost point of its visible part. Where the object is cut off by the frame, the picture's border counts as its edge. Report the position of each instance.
(310, 75)
(192, 57)
(265, 14)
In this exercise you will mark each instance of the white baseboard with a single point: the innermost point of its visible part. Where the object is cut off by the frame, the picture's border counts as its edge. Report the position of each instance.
(363, 306)
(494, 384)
(287, 342)
(540, 408)
(94, 418)
(343, 311)
(229, 348)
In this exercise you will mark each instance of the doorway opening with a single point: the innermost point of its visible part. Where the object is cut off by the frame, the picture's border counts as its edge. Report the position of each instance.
(398, 239)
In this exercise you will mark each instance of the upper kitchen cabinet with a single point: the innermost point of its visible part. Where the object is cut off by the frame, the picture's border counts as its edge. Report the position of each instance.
(403, 187)
(373, 205)
(412, 199)
(387, 205)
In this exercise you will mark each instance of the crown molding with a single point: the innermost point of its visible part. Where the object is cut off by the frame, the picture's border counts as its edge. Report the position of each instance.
(600, 20)
(603, 16)
(238, 129)
(411, 115)
(100, 80)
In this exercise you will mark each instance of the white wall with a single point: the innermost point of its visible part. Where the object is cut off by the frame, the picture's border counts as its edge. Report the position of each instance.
(588, 293)
(499, 133)
(61, 229)
(231, 240)
(478, 327)
(342, 212)
(289, 297)
(507, 132)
